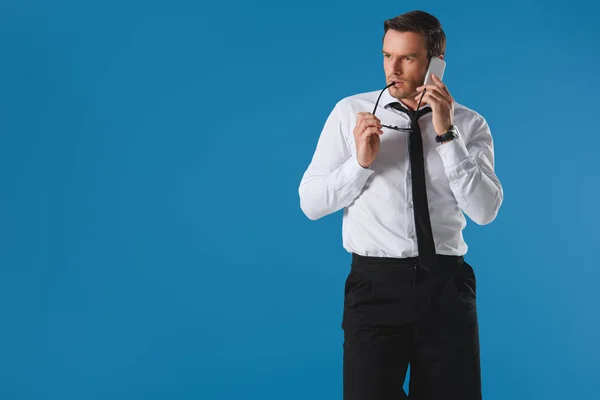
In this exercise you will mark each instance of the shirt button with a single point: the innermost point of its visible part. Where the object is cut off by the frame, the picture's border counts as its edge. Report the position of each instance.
(412, 235)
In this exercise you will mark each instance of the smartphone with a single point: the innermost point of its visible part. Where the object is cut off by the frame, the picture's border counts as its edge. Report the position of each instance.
(437, 67)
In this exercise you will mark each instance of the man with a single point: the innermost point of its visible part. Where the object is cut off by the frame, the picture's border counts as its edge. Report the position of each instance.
(410, 296)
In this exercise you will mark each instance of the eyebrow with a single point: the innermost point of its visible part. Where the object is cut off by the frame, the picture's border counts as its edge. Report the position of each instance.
(413, 55)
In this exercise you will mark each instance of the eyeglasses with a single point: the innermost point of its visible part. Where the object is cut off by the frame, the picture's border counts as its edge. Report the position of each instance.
(396, 128)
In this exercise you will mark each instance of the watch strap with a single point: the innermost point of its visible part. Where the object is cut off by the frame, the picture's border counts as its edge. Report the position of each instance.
(446, 137)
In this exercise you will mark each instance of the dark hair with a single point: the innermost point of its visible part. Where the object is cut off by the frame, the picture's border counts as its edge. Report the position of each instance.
(423, 23)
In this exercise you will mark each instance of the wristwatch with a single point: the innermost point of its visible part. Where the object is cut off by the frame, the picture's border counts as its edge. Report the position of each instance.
(450, 135)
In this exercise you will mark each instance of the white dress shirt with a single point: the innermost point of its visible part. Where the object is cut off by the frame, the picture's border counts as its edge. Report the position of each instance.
(378, 217)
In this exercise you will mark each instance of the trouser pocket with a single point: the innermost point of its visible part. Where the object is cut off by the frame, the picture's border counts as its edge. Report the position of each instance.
(358, 289)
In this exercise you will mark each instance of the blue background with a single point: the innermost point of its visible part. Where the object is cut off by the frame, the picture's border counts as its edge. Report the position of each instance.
(152, 244)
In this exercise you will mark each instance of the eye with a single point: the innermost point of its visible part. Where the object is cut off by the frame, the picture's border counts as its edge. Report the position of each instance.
(408, 58)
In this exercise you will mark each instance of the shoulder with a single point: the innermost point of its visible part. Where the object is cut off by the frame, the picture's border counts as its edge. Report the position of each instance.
(358, 102)
(463, 112)
(345, 110)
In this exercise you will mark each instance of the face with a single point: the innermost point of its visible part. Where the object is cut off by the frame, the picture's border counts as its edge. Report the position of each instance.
(404, 61)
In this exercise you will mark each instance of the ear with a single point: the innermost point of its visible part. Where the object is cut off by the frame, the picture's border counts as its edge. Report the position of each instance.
(441, 56)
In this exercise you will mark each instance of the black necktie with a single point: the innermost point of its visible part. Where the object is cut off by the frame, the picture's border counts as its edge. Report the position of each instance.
(426, 246)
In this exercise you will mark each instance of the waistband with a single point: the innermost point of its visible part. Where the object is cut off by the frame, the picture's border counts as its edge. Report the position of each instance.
(368, 261)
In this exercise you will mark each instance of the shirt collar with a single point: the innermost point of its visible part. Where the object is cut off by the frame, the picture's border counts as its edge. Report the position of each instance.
(387, 99)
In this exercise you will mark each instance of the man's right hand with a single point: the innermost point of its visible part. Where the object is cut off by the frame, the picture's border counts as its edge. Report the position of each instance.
(366, 136)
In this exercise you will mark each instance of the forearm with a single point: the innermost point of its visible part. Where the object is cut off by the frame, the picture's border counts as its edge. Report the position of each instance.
(472, 179)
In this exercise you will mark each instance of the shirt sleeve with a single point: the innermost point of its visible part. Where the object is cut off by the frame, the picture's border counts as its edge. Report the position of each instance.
(470, 170)
(334, 178)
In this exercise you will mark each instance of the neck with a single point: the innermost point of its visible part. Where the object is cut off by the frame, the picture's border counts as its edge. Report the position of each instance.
(410, 104)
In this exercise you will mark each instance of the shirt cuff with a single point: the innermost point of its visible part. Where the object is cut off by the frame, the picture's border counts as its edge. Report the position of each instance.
(453, 153)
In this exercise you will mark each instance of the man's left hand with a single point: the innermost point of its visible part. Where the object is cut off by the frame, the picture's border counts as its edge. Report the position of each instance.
(441, 102)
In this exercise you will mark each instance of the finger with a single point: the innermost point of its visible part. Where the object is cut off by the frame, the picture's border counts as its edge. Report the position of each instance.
(434, 98)
(439, 82)
(362, 116)
(440, 97)
(373, 121)
(436, 89)
(367, 122)
(431, 98)
(370, 131)
(360, 125)
(441, 85)
(364, 137)
(429, 87)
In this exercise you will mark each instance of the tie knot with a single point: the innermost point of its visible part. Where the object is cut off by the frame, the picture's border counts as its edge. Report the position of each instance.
(412, 114)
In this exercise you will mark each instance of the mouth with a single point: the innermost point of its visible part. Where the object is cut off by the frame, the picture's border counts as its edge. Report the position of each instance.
(397, 83)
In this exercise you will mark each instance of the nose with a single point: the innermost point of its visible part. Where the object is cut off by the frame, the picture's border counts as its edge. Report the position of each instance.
(397, 67)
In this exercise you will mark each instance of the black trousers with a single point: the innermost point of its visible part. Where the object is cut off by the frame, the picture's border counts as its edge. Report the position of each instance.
(397, 314)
